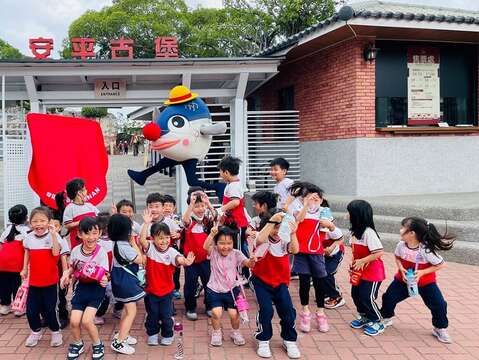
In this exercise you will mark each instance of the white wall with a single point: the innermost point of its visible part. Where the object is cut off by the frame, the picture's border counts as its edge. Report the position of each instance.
(393, 166)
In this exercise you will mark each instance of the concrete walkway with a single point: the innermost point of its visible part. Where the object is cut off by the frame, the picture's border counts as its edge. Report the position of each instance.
(409, 338)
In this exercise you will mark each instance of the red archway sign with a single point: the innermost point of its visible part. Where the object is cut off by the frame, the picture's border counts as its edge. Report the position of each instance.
(65, 148)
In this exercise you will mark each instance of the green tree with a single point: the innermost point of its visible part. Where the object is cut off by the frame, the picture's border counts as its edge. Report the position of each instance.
(241, 28)
(140, 20)
(7, 51)
(94, 112)
(285, 17)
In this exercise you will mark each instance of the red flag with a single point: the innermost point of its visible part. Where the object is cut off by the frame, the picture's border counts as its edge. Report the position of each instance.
(65, 148)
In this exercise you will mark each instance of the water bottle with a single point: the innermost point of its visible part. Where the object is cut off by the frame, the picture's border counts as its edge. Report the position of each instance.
(242, 306)
(325, 214)
(180, 353)
(284, 231)
(411, 283)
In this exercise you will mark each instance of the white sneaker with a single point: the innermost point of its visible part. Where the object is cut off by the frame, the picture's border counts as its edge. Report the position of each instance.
(442, 335)
(291, 349)
(19, 313)
(122, 347)
(33, 339)
(5, 310)
(264, 350)
(57, 339)
(167, 341)
(191, 315)
(153, 340)
(130, 340)
(387, 322)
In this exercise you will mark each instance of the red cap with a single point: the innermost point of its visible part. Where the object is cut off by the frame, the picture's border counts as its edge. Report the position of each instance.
(178, 327)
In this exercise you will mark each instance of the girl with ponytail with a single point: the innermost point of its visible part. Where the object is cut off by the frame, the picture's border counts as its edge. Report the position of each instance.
(11, 256)
(418, 250)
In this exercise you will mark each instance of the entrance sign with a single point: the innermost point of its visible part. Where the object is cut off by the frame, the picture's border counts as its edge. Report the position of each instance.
(110, 89)
(423, 86)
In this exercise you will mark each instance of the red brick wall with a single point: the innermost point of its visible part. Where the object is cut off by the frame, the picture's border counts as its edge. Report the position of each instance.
(334, 93)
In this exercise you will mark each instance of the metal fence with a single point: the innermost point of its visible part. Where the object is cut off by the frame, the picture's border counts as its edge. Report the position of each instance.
(271, 134)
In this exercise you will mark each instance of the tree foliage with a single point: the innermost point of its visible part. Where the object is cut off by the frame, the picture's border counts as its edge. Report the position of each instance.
(94, 112)
(240, 28)
(7, 51)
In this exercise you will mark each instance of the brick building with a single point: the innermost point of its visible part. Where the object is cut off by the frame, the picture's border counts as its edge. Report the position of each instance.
(364, 131)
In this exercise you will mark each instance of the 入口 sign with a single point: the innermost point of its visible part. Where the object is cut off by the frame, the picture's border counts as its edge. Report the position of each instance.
(110, 89)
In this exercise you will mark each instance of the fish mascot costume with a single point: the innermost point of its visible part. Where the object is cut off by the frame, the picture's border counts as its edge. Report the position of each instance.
(182, 134)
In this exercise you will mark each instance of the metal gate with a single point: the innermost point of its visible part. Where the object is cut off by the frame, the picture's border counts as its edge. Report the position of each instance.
(271, 134)
(17, 155)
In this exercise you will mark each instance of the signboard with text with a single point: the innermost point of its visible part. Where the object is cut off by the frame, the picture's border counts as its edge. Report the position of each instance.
(423, 88)
(110, 89)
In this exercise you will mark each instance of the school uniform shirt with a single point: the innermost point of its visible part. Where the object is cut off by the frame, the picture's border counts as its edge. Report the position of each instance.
(224, 270)
(73, 213)
(160, 267)
(420, 255)
(107, 245)
(272, 266)
(172, 225)
(369, 243)
(78, 258)
(195, 237)
(310, 237)
(11, 252)
(282, 189)
(234, 190)
(43, 264)
(135, 228)
(332, 236)
(126, 252)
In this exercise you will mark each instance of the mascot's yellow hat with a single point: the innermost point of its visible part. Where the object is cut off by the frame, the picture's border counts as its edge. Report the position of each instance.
(180, 94)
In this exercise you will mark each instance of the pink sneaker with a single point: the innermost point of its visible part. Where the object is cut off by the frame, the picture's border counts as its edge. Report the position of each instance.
(322, 320)
(305, 322)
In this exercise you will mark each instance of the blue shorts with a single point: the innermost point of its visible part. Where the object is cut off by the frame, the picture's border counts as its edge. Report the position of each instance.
(310, 264)
(87, 295)
(223, 300)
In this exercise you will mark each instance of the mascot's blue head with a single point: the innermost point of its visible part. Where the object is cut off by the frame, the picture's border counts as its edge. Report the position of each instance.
(176, 133)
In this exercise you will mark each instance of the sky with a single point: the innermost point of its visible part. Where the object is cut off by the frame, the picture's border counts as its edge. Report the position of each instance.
(24, 19)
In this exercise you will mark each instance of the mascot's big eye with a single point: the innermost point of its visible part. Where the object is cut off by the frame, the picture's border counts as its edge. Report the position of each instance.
(177, 122)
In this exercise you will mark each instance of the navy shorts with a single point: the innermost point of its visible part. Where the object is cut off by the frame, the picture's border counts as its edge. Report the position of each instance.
(310, 264)
(224, 300)
(87, 295)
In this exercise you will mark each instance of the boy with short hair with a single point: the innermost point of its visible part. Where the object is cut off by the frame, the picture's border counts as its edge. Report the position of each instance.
(169, 210)
(198, 219)
(278, 170)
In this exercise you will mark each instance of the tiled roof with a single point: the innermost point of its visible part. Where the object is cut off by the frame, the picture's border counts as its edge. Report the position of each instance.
(386, 10)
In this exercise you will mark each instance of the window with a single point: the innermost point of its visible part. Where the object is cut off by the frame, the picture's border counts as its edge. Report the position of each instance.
(286, 98)
(457, 76)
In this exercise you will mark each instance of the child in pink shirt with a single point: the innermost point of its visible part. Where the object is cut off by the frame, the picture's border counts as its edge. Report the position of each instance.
(223, 283)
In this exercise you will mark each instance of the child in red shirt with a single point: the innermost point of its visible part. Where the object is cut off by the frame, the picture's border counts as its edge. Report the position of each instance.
(367, 252)
(270, 281)
(197, 222)
(11, 256)
(417, 250)
(161, 261)
(40, 266)
(233, 209)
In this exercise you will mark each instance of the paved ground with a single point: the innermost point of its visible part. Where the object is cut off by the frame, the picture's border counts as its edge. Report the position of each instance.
(409, 338)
